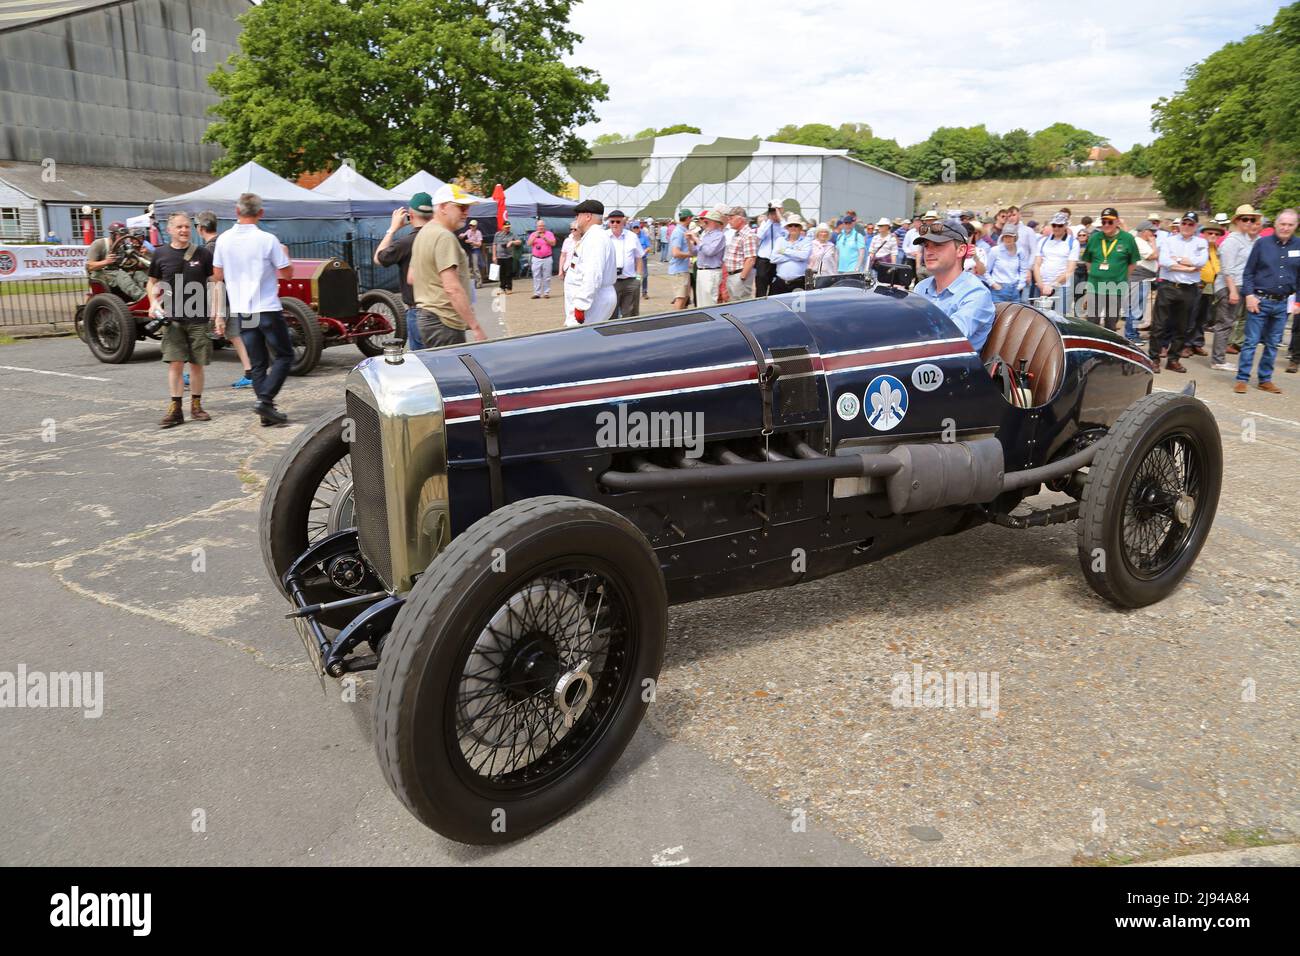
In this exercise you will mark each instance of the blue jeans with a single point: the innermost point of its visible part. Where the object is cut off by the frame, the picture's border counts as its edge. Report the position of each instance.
(1265, 326)
(412, 330)
(1139, 289)
(265, 332)
(1008, 293)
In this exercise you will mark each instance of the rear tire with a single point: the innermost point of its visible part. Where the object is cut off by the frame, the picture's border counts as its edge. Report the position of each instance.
(390, 306)
(110, 329)
(569, 561)
(1150, 499)
(305, 332)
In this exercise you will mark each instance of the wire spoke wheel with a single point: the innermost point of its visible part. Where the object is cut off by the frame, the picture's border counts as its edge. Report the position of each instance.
(1159, 508)
(519, 667)
(1149, 499)
(106, 330)
(540, 680)
(332, 504)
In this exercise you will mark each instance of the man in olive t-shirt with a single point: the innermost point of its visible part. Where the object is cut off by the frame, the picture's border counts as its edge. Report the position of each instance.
(1111, 254)
(439, 274)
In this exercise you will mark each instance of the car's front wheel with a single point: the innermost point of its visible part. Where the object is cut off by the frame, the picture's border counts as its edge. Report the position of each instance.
(519, 668)
(1150, 499)
(307, 497)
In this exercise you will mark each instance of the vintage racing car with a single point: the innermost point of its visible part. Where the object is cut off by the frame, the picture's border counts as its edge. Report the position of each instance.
(499, 528)
(321, 307)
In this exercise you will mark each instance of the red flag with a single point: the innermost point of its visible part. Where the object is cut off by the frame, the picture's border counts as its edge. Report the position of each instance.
(499, 194)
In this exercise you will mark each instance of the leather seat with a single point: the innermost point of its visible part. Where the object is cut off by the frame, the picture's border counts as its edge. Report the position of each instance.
(1021, 332)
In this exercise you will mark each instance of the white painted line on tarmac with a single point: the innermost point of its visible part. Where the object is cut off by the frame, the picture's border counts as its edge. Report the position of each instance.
(1210, 401)
(45, 371)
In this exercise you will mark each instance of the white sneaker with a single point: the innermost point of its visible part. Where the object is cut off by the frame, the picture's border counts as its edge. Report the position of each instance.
(1224, 367)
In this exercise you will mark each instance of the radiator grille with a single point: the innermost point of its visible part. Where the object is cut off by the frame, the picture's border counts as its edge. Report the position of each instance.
(337, 287)
(368, 487)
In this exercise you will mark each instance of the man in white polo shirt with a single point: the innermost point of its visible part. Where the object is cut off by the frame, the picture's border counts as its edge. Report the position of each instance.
(249, 262)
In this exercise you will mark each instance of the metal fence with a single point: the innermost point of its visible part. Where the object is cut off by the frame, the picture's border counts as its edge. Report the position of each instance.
(356, 251)
(40, 305)
(29, 306)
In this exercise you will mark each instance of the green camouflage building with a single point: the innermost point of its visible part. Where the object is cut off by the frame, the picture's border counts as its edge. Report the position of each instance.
(656, 177)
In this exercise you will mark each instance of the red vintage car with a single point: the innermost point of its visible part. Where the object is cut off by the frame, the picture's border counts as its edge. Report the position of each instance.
(321, 305)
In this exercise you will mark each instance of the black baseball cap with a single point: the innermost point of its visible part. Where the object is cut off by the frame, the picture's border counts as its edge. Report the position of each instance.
(591, 205)
(1189, 215)
(617, 214)
(1110, 212)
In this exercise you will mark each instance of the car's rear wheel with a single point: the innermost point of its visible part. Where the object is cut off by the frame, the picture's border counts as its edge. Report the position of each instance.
(519, 668)
(389, 305)
(305, 334)
(309, 496)
(1150, 499)
(110, 329)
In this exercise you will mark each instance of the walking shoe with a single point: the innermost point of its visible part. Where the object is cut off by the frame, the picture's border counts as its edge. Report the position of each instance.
(196, 409)
(175, 416)
(1269, 387)
(1224, 367)
(269, 414)
(1240, 388)
(1186, 352)
(1175, 366)
(1293, 367)
(536, 296)
(242, 382)
(1197, 350)
(546, 296)
(1234, 350)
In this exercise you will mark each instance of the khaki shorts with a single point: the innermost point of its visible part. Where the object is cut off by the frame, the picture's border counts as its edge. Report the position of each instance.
(187, 342)
(679, 285)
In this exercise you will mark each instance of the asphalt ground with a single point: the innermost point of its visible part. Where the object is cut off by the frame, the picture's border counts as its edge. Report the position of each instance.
(1118, 736)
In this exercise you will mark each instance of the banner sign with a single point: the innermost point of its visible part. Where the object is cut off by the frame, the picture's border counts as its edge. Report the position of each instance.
(41, 262)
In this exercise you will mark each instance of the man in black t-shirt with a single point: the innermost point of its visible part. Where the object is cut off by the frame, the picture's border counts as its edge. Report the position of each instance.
(178, 293)
(397, 252)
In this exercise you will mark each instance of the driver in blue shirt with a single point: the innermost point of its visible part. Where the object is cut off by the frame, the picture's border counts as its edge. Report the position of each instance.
(962, 297)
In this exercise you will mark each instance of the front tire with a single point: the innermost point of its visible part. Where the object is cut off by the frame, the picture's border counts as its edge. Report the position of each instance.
(390, 306)
(545, 607)
(308, 496)
(1150, 499)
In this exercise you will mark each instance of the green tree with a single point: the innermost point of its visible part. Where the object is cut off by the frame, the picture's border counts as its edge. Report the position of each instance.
(952, 153)
(1011, 155)
(678, 128)
(609, 139)
(1136, 162)
(454, 86)
(1231, 134)
(857, 138)
(1062, 143)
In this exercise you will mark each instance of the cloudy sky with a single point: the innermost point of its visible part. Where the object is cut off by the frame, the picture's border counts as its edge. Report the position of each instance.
(903, 67)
